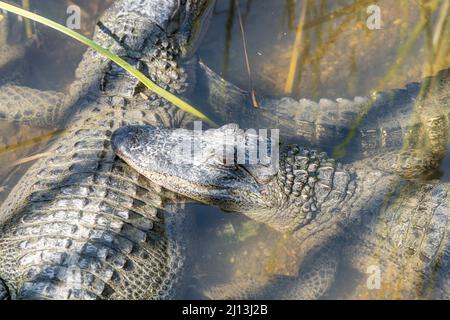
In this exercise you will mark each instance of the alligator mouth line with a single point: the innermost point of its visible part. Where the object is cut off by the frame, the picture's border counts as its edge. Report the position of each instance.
(148, 150)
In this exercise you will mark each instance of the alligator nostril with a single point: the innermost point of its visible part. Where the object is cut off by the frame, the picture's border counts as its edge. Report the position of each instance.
(117, 137)
(4, 291)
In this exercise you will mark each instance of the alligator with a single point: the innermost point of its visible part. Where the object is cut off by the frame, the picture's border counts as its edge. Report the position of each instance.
(80, 224)
(381, 208)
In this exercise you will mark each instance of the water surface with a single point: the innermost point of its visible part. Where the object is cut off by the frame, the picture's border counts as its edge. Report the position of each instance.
(337, 56)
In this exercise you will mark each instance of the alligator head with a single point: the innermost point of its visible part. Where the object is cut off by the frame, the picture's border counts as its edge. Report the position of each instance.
(297, 188)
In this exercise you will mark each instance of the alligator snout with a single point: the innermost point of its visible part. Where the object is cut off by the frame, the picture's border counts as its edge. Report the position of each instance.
(192, 164)
(290, 197)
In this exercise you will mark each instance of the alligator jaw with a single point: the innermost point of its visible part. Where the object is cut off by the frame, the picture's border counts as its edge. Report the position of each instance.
(307, 187)
(157, 154)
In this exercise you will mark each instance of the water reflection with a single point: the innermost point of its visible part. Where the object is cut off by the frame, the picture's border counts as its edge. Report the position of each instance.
(338, 56)
(335, 56)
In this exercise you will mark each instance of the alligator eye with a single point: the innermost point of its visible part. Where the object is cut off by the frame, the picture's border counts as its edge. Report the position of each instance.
(262, 174)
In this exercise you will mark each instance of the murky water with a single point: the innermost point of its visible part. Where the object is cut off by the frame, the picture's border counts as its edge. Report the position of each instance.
(334, 55)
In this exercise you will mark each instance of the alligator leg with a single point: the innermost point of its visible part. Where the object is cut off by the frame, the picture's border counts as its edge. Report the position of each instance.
(30, 106)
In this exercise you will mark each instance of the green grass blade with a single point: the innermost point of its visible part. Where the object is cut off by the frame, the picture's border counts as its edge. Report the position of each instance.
(141, 77)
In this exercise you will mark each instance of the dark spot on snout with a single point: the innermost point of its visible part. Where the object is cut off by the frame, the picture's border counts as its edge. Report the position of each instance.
(118, 138)
(124, 139)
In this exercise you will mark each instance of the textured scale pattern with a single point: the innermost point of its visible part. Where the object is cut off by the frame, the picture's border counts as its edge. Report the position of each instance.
(86, 223)
(312, 282)
(413, 117)
(25, 105)
(311, 188)
(408, 241)
(80, 224)
(362, 209)
(326, 123)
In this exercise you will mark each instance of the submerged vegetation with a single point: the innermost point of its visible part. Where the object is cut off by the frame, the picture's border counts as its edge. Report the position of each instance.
(332, 53)
(108, 54)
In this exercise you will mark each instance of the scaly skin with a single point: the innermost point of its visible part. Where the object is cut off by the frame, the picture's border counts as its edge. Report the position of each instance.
(80, 224)
(362, 210)
(75, 270)
(416, 118)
